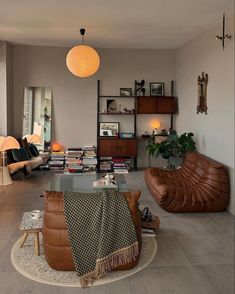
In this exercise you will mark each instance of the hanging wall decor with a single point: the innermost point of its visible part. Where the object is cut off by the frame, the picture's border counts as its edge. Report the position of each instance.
(224, 35)
(202, 82)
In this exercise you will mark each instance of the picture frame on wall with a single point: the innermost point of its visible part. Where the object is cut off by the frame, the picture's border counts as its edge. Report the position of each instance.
(157, 89)
(109, 129)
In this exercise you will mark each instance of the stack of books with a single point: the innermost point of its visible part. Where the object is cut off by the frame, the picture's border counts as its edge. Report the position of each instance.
(149, 227)
(105, 164)
(119, 166)
(149, 232)
(73, 160)
(89, 160)
(57, 161)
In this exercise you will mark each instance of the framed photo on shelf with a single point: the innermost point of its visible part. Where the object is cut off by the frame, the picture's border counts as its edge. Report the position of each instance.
(125, 91)
(109, 129)
(112, 105)
(157, 89)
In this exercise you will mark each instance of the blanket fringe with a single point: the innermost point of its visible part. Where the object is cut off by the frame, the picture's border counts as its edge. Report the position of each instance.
(110, 262)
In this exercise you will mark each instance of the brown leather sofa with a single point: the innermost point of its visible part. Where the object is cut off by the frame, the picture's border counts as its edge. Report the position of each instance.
(202, 184)
(57, 249)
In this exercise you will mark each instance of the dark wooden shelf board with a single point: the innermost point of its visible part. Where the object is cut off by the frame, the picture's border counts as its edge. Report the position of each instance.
(117, 113)
(111, 96)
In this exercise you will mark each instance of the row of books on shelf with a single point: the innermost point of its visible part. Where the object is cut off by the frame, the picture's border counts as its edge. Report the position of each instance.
(117, 165)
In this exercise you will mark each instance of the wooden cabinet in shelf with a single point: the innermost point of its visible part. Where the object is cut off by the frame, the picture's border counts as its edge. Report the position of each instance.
(166, 104)
(156, 104)
(146, 105)
(117, 147)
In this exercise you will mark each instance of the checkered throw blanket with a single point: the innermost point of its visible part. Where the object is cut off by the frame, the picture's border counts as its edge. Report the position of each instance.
(101, 232)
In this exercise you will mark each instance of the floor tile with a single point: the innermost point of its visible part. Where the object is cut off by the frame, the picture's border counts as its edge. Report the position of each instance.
(207, 249)
(162, 280)
(169, 253)
(217, 279)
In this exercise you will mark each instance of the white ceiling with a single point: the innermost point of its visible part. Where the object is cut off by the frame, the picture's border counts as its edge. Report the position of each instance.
(162, 24)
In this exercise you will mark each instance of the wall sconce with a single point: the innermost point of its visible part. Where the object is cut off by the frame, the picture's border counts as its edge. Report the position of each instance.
(224, 36)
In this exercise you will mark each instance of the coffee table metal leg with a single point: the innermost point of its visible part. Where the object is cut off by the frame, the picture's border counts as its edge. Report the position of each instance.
(24, 237)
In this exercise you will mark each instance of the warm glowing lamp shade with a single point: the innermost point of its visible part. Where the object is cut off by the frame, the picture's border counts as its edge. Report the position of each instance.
(34, 138)
(6, 143)
(83, 61)
(155, 124)
(56, 147)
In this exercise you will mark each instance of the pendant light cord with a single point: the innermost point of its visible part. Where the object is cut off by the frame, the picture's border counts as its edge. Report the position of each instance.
(82, 32)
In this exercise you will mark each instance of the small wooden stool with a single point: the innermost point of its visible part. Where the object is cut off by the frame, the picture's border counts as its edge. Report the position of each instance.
(31, 226)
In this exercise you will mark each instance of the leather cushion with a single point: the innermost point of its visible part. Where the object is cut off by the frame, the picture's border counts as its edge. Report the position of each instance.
(55, 236)
(33, 150)
(20, 154)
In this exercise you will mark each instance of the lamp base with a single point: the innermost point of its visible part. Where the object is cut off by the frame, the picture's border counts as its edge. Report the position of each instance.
(5, 178)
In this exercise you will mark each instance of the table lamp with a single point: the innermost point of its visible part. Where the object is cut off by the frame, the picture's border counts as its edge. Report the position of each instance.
(6, 143)
(155, 124)
(34, 139)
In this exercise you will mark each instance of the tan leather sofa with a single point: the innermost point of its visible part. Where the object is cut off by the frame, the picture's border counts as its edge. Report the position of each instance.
(202, 184)
(57, 249)
(28, 165)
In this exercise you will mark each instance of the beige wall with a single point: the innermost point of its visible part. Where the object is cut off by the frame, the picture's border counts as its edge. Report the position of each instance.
(9, 74)
(3, 90)
(6, 89)
(214, 132)
(75, 99)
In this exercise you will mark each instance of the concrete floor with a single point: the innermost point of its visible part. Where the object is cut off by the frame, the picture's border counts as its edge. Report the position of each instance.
(195, 250)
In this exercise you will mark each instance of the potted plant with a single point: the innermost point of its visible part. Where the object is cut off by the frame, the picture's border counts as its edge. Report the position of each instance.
(173, 148)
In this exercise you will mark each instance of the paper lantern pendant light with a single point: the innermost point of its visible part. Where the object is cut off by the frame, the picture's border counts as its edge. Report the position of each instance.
(82, 60)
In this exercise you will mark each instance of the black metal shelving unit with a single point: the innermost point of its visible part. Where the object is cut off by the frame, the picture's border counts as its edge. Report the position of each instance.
(99, 113)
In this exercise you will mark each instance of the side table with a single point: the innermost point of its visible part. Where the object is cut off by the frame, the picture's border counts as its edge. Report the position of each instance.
(31, 226)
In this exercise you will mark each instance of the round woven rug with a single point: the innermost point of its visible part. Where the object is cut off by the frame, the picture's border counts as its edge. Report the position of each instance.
(36, 268)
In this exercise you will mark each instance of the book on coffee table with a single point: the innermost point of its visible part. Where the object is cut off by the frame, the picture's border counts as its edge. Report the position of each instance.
(101, 184)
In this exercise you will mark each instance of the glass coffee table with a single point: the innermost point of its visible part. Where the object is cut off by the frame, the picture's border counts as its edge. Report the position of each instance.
(81, 183)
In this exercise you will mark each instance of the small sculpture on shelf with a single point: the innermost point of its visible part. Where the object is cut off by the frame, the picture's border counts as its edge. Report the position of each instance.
(139, 88)
(127, 110)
